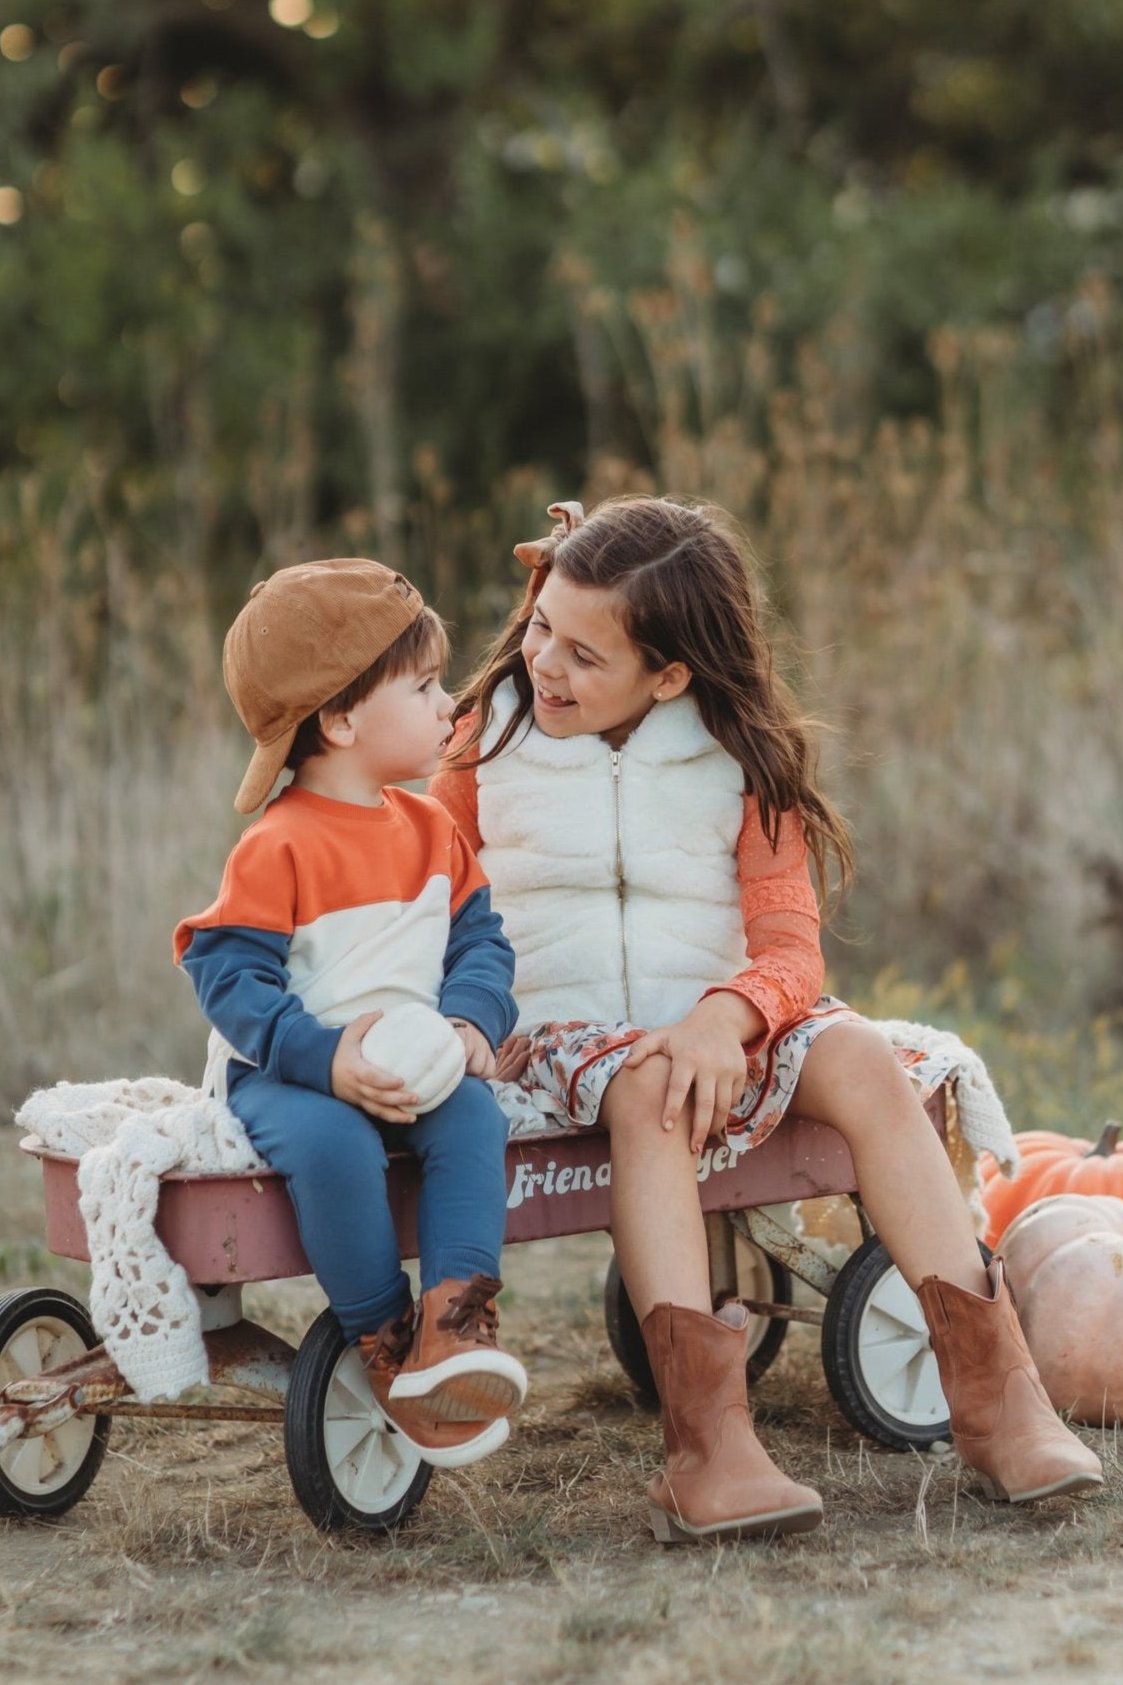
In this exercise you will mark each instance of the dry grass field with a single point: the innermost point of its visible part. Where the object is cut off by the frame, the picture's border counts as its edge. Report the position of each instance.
(190, 1560)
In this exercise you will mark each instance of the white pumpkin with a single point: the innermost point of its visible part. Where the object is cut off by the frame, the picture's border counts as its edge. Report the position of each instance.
(1064, 1262)
(418, 1045)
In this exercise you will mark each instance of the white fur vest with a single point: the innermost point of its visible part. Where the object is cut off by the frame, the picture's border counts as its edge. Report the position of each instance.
(615, 872)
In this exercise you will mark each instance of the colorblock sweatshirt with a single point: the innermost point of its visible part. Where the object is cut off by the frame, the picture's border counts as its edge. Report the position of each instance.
(328, 910)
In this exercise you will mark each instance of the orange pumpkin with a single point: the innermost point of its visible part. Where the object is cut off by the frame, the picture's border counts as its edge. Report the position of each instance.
(1050, 1164)
(1064, 1262)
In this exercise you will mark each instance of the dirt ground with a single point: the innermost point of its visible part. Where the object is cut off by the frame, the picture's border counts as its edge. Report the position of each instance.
(190, 1559)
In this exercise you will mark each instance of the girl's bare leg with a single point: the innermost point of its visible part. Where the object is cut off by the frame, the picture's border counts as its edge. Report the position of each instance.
(852, 1080)
(657, 1226)
(718, 1479)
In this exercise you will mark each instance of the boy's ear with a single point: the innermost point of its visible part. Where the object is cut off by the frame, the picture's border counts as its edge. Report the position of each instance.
(673, 680)
(337, 729)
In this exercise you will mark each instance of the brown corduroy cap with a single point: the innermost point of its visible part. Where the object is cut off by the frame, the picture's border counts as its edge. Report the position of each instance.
(305, 634)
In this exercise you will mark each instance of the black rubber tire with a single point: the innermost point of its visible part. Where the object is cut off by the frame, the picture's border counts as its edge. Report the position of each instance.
(853, 1390)
(323, 1352)
(626, 1340)
(18, 1312)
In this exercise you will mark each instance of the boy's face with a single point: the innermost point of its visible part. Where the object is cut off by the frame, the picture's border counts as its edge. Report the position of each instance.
(400, 728)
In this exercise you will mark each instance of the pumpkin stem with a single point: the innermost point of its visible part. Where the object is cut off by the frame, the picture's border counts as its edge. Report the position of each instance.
(1105, 1146)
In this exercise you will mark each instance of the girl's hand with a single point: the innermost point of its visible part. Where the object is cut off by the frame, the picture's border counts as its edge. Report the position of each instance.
(368, 1086)
(706, 1053)
(511, 1058)
(479, 1059)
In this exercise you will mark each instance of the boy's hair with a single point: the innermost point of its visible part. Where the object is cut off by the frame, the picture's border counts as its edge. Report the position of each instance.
(682, 576)
(424, 642)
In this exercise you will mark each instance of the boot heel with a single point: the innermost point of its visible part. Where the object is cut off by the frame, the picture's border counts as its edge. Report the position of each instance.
(667, 1532)
(992, 1488)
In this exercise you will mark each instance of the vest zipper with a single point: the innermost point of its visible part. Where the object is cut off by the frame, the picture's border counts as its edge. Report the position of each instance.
(620, 884)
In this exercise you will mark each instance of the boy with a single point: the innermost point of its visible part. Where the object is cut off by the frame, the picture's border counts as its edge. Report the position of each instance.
(346, 899)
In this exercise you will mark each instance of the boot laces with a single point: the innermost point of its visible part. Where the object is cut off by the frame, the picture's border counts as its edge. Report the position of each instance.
(471, 1315)
(389, 1345)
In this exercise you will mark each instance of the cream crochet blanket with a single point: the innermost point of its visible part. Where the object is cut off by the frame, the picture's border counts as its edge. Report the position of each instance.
(982, 1116)
(128, 1134)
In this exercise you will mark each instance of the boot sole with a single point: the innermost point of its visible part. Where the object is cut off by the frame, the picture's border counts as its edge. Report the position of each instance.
(464, 1389)
(668, 1531)
(489, 1439)
(994, 1490)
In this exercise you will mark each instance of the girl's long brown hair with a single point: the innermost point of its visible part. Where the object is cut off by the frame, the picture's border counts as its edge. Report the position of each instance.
(681, 575)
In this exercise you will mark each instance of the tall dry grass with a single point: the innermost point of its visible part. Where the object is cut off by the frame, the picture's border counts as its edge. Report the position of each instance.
(117, 766)
(950, 591)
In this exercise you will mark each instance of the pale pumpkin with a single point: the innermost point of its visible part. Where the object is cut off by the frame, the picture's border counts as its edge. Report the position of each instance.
(1064, 1261)
(1049, 1164)
(415, 1043)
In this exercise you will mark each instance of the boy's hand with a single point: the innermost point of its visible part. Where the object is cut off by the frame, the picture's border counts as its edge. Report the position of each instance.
(479, 1059)
(365, 1085)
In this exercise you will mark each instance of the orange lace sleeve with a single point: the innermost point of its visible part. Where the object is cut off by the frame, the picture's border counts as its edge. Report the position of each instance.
(456, 791)
(781, 919)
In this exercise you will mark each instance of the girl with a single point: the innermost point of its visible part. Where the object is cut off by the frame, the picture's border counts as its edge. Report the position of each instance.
(639, 787)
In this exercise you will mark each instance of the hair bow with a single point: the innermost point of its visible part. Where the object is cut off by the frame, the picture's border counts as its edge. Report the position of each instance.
(538, 553)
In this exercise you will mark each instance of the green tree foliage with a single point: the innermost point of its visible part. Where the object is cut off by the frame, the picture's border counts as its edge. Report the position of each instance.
(268, 270)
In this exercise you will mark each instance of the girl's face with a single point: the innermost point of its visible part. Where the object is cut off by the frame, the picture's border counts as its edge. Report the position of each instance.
(586, 671)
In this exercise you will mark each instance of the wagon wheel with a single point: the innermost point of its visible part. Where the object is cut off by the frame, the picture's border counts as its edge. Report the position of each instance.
(759, 1277)
(46, 1475)
(877, 1357)
(348, 1466)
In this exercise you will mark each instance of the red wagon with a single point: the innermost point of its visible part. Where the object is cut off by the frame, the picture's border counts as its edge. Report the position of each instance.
(348, 1466)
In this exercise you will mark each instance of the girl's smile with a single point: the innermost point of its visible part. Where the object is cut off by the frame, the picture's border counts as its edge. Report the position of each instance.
(587, 674)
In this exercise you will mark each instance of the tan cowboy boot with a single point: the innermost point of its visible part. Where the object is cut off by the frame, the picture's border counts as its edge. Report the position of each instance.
(1001, 1419)
(719, 1480)
(446, 1445)
(456, 1370)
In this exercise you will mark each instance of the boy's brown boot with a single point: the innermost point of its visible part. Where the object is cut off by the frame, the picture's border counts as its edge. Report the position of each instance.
(446, 1445)
(456, 1370)
(1002, 1421)
(719, 1481)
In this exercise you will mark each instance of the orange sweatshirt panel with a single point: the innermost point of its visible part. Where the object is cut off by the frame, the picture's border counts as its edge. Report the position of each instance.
(263, 889)
(457, 791)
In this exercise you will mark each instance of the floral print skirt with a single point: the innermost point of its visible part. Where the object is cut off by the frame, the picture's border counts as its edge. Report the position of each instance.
(571, 1065)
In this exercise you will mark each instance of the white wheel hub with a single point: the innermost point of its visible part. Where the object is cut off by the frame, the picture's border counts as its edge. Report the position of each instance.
(41, 1465)
(898, 1365)
(371, 1465)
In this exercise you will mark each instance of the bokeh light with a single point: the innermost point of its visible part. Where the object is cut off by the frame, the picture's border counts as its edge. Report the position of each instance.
(199, 93)
(188, 177)
(17, 42)
(290, 14)
(323, 24)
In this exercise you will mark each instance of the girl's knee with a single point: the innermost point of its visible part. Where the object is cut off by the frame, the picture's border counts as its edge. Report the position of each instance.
(853, 1079)
(635, 1099)
(856, 1053)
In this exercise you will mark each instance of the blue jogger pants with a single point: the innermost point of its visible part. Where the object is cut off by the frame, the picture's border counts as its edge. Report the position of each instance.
(334, 1158)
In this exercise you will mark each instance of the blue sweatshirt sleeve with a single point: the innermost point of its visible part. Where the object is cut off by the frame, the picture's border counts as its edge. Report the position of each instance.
(479, 969)
(240, 976)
